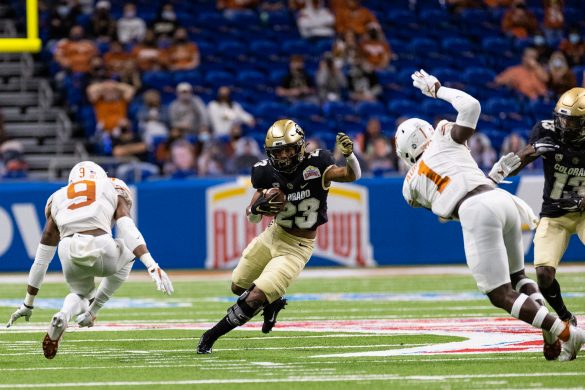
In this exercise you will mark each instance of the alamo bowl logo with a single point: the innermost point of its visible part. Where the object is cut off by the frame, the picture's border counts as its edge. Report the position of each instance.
(311, 172)
(344, 240)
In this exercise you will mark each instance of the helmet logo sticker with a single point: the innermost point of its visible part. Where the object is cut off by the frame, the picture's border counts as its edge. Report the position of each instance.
(558, 157)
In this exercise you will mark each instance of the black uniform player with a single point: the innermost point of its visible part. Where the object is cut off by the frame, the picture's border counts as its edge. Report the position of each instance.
(561, 143)
(277, 256)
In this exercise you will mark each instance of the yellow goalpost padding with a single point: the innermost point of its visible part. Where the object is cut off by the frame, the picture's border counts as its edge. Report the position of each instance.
(30, 44)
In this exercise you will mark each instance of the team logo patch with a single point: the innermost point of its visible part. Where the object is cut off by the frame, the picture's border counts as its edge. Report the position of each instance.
(558, 157)
(311, 172)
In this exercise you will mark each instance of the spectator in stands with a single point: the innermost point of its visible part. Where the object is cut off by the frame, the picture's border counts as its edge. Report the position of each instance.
(518, 21)
(116, 58)
(574, 47)
(97, 70)
(457, 6)
(131, 28)
(148, 55)
(183, 161)
(62, 18)
(331, 81)
(482, 151)
(366, 139)
(354, 17)
(102, 23)
(554, 20)
(529, 78)
(110, 101)
(375, 49)
(379, 157)
(182, 54)
(513, 143)
(296, 5)
(498, 3)
(75, 53)
(561, 77)
(127, 143)
(315, 20)
(212, 159)
(246, 154)
(130, 75)
(542, 47)
(345, 50)
(297, 85)
(13, 164)
(188, 112)
(153, 118)
(224, 113)
(363, 82)
(166, 24)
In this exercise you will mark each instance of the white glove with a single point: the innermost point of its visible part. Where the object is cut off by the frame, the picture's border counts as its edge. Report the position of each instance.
(22, 311)
(160, 277)
(425, 82)
(85, 320)
(502, 168)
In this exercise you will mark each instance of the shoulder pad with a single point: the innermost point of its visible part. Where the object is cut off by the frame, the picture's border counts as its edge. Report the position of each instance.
(123, 190)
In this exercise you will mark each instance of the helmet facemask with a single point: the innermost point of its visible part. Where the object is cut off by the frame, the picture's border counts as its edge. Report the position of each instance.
(289, 163)
(572, 128)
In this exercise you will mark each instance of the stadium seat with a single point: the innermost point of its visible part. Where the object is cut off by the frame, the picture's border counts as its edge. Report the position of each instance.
(496, 45)
(264, 48)
(305, 110)
(401, 107)
(541, 110)
(580, 74)
(338, 110)
(423, 46)
(446, 74)
(478, 76)
(501, 106)
(231, 49)
(192, 77)
(270, 111)
(219, 78)
(457, 46)
(366, 110)
(157, 79)
(435, 107)
(296, 46)
(252, 79)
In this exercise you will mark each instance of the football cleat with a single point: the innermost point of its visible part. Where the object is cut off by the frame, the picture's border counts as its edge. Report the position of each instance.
(551, 347)
(573, 345)
(270, 312)
(205, 345)
(54, 334)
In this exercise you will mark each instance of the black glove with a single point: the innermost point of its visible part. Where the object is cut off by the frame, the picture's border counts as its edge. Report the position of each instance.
(544, 145)
(571, 204)
(266, 206)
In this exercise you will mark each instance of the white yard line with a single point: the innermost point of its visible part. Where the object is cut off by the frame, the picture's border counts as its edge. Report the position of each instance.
(309, 273)
(297, 379)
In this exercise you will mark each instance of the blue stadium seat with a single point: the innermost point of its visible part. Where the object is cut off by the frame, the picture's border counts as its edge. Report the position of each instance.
(541, 110)
(399, 107)
(157, 79)
(192, 77)
(338, 110)
(305, 110)
(496, 45)
(296, 46)
(435, 107)
(499, 106)
(446, 74)
(252, 79)
(244, 20)
(579, 73)
(423, 46)
(496, 137)
(270, 111)
(401, 17)
(456, 46)
(210, 21)
(219, 78)
(478, 76)
(264, 48)
(369, 109)
(231, 49)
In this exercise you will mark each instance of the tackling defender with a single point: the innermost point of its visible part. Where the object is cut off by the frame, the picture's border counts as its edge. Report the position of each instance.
(79, 220)
(561, 144)
(445, 178)
(278, 255)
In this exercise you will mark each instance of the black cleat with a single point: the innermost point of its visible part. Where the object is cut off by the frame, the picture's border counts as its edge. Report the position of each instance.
(205, 343)
(270, 313)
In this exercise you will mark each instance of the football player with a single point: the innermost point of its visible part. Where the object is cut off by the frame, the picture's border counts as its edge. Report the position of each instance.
(561, 143)
(275, 258)
(445, 178)
(79, 225)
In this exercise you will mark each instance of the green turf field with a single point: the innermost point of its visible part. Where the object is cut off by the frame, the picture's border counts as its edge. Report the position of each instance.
(335, 333)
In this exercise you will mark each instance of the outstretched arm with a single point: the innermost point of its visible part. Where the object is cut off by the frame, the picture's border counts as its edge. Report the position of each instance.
(467, 106)
(351, 171)
(44, 255)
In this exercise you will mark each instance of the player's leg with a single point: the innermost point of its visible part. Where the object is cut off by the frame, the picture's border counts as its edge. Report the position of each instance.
(254, 259)
(550, 242)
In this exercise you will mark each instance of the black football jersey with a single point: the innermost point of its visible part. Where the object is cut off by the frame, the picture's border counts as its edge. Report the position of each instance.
(306, 197)
(564, 169)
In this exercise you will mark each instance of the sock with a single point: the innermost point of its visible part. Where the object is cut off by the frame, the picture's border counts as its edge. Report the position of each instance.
(74, 305)
(552, 294)
(225, 325)
(561, 330)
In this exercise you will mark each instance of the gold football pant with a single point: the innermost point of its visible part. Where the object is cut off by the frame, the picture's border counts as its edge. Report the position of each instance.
(552, 238)
(272, 261)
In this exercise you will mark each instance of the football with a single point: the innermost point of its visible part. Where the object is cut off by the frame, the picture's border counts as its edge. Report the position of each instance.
(280, 197)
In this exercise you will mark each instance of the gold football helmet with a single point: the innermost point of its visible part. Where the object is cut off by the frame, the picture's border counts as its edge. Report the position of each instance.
(569, 116)
(285, 145)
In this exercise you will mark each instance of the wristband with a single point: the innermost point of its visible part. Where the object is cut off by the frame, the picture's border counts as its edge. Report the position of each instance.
(29, 300)
(354, 164)
(147, 260)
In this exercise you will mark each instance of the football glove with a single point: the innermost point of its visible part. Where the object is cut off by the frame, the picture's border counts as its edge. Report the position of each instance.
(573, 203)
(267, 206)
(23, 311)
(502, 168)
(344, 144)
(426, 83)
(161, 279)
(85, 320)
(544, 145)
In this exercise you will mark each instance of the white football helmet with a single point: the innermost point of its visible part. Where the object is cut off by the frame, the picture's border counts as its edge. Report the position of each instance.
(412, 136)
(87, 170)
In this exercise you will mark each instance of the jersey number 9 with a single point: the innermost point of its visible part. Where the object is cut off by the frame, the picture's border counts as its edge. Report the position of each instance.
(84, 189)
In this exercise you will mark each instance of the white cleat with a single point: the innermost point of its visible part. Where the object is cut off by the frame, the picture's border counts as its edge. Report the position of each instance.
(572, 347)
(54, 333)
